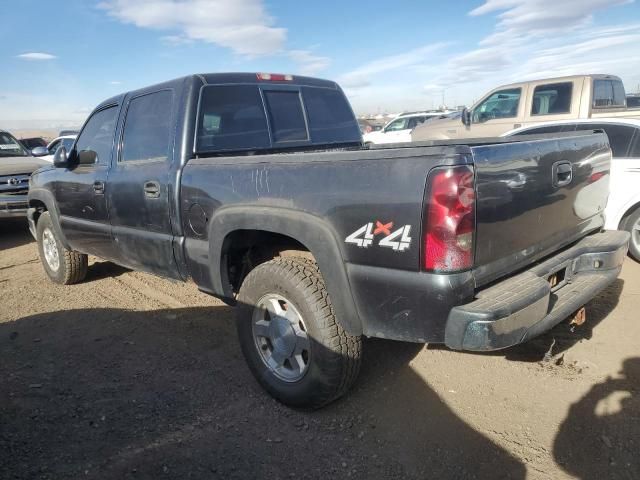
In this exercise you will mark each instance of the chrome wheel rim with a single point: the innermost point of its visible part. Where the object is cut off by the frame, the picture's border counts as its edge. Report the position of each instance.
(281, 337)
(50, 249)
(635, 234)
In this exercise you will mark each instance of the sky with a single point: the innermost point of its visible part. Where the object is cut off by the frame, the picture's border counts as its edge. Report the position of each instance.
(59, 59)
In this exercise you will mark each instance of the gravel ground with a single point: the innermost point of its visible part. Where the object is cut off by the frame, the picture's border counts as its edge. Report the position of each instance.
(130, 376)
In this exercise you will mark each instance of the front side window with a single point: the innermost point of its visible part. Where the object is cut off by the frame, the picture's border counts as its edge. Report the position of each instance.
(10, 147)
(53, 147)
(396, 125)
(500, 104)
(96, 139)
(620, 136)
(147, 128)
(286, 116)
(67, 143)
(552, 99)
(608, 93)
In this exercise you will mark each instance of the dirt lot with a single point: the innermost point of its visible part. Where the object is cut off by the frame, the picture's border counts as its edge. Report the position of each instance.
(131, 376)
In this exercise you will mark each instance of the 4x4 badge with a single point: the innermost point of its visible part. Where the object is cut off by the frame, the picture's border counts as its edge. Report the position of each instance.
(398, 240)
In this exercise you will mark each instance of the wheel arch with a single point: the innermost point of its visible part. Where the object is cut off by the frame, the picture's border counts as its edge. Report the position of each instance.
(308, 232)
(42, 200)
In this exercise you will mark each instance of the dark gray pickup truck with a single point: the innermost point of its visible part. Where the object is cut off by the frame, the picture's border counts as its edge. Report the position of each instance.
(258, 189)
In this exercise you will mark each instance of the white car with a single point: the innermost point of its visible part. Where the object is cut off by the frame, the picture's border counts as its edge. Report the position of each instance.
(47, 154)
(399, 129)
(623, 208)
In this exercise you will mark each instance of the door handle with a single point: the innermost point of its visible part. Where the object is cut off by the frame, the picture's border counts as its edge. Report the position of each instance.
(151, 189)
(562, 173)
(98, 188)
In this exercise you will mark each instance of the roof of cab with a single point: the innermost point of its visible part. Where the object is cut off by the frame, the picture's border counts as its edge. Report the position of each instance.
(224, 78)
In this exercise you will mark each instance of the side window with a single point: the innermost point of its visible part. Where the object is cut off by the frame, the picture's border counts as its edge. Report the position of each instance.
(54, 146)
(67, 143)
(96, 139)
(399, 124)
(620, 136)
(286, 116)
(608, 93)
(500, 104)
(552, 99)
(147, 128)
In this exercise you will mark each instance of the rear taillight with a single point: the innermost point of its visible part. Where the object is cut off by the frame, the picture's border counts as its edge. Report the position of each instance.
(449, 220)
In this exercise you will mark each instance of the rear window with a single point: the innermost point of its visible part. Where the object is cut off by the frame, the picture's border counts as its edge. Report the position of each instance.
(608, 93)
(233, 117)
(552, 99)
(286, 116)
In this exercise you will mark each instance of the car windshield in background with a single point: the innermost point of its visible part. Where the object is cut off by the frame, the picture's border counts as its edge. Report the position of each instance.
(10, 147)
(232, 117)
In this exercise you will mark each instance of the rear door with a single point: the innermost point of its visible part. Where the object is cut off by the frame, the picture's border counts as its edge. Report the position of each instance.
(138, 191)
(536, 196)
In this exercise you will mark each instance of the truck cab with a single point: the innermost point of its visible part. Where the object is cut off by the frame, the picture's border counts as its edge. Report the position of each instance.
(528, 103)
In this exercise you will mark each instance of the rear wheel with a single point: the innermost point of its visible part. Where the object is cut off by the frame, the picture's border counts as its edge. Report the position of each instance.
(632, 225)
(290, 337)
(61, 265)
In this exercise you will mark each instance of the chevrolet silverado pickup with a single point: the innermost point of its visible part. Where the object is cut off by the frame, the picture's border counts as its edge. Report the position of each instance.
(257, 188)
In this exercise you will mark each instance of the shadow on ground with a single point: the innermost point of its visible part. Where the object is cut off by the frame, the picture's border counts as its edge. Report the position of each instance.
(165, 394)
(14, 232)
(600, 437)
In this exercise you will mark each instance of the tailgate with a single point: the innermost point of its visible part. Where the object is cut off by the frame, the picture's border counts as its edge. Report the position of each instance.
(535, 197)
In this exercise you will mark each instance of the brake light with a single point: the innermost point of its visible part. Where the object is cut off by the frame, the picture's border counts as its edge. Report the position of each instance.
(274, 77)
(449, 221)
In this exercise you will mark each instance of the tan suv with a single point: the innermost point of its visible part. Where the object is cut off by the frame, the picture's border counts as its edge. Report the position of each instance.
(528, 103)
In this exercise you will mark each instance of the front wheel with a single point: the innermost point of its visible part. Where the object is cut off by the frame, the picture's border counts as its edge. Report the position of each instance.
(61, 265)
(290, 337)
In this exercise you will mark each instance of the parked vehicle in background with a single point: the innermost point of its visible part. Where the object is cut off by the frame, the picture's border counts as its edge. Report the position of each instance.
(49, 151)
(31, 143)
(16, 166)
(633, 100)
(529, 103)
(258, 189)
(65, 133)
(623, 207)
(399, 129)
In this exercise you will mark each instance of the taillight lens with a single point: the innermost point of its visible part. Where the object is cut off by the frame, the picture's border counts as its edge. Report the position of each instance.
(449, 221)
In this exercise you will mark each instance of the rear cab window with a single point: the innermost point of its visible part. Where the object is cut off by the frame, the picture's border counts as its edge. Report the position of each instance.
(263, 116)
(608, 93)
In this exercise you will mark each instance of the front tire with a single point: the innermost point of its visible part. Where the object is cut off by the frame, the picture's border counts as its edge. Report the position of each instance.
(290, 337)
(632, 225)
(61, 265)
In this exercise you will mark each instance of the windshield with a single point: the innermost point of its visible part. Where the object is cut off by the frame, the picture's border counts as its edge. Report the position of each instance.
(10, 147)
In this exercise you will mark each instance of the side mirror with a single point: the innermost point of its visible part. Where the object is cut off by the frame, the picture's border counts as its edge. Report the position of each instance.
(60, 158)
(40, 152)
(466, 117)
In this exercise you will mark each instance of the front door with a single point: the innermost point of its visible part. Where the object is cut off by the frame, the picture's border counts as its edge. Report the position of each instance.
(81, 190)
(139, 203)
(500, 112)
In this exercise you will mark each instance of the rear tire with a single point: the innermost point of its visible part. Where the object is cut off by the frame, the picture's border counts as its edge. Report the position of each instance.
(290, 337)
(61, 265)
(632, 225)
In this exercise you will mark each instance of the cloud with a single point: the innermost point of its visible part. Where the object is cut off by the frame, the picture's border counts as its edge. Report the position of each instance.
(521, 19)
(308, 63)
(36, 56)
(115, 82)
(365, 74)
(241, 25)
